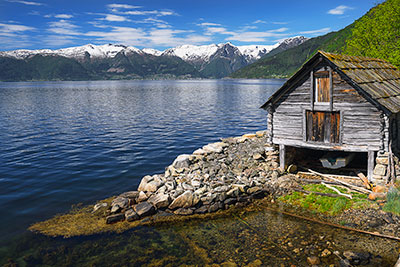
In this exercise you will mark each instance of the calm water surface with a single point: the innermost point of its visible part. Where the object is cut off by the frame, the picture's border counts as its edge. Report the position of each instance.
(68, 142)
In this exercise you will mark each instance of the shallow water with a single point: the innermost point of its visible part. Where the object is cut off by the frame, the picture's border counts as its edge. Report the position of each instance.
(264, 237)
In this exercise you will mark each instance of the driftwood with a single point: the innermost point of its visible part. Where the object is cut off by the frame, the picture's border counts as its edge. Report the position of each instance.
(356, 188)
(364, 180)
(317, 193)
(332, 175)
(337, 191)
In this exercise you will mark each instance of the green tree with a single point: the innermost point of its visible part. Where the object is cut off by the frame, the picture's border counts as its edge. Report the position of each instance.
(377, 34)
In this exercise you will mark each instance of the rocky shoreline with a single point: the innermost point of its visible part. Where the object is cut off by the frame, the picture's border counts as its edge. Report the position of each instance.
(216, 176)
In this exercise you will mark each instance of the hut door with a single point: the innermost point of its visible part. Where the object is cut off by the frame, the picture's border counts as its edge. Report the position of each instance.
(323, 126)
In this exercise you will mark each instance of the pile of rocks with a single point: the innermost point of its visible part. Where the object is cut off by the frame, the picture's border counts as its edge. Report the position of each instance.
(214, 177)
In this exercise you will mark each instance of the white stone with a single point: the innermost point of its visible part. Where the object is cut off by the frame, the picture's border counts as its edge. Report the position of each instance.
(182, 161)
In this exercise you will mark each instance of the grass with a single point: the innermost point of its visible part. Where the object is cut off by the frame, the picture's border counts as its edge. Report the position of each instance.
(392, 201)
(325, 204)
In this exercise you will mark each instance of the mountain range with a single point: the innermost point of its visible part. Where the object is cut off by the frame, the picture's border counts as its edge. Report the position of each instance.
(112, 61)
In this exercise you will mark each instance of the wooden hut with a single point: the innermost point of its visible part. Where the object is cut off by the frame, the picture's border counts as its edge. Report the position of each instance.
(340, 103)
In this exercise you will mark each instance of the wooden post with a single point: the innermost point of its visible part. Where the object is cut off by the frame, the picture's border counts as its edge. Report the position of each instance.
(371, 164)
(312, 93)
(330, 90)
(282, 157)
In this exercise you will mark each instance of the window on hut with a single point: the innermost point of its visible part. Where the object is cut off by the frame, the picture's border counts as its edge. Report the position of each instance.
(322, 87)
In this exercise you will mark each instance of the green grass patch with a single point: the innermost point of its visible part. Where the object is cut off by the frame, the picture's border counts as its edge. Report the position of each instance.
(392, 201)
(325, 204)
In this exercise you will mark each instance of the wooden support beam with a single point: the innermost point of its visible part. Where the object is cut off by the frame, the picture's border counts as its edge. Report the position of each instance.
(371, 164)
(312, 93)
(282, 157)
(330, 90)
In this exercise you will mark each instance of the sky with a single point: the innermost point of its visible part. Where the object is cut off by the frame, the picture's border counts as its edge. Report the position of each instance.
(161, 24)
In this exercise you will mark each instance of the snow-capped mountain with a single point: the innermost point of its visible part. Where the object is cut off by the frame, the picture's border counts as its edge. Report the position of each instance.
(79, 52)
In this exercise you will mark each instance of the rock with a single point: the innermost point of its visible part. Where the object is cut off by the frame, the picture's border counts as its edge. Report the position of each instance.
(249, 135)
(185, 200)
(215, 147)
(382, 160)
(234, 192)
(186, 187)
(254, 189)
(122, 202)
(195, 183)
(151, 186)
(202, 210)
(160, 200)
(182, 161)
(325, 253)
(375, 196)
(313, 260)
(131, 215)
(261, 133)
(146, 179)
(144, 209)
(183, 211)
(257, 156)
(142, 197)
(230, 201)
(115, 208)
(380, 169)
(216, 206)
(115, 218)
(199, 152)
(130, 194)
(241, 187)
(99, 207)
(357, 258)
(379, 189)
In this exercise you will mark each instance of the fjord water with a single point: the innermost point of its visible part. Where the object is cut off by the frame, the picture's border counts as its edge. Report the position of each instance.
(64, 143)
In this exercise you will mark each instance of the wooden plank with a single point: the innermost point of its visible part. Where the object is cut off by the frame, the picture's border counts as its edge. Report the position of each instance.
(371, 164)
(312, 91)
(282, 158)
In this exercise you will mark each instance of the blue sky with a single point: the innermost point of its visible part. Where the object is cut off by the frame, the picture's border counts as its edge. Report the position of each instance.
(160, 24)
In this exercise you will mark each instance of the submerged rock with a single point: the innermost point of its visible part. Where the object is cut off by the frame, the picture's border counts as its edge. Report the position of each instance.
(115, 218)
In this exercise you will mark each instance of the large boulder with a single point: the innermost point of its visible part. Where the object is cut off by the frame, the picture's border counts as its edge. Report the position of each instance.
(184, 200)
(182, 161)
(160, 200)
(144, 209)
(115, 218)
(145, 180)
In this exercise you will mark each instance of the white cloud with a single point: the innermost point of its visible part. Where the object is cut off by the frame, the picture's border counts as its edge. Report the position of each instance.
(152, 12)
(14, 28)
(58, 40)
(280, 22)
(259, 21)
(254, 36)
(339, 10)
(283, 29)
(63, 27)
(29, 3)
(63, 16)
(319, 31)
(123, 6)
(112, 17)
(206, 24)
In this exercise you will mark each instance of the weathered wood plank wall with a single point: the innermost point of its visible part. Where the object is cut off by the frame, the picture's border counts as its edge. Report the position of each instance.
(361, 124)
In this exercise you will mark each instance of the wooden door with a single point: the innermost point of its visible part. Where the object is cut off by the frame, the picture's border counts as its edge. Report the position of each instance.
(323, 126)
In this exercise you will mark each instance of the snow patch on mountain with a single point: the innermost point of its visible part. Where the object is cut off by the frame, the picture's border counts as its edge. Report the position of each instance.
(152, 51)
(192, 52)
(256, 51)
